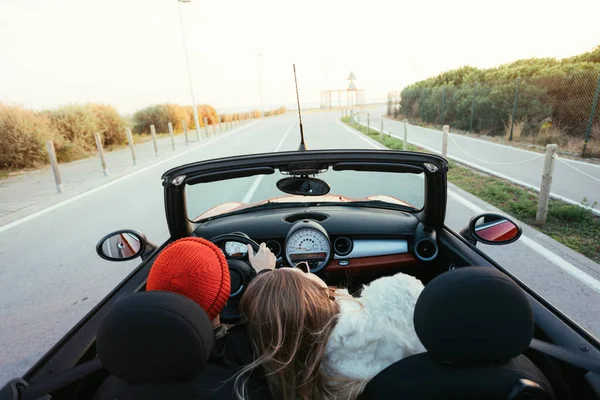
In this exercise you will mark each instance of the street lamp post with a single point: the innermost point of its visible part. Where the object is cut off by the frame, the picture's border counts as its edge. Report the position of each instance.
(260, 84)
(187, 61)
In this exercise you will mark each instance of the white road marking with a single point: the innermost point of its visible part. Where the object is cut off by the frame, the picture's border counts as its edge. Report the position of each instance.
(371, 142)
(111, 183)
(259, 178)
(489, 171)
(541, 250)
(494, 144)
(252, 189)
(533, 245)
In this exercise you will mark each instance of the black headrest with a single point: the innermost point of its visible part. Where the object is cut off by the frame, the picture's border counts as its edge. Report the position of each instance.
(474, 314)
(155, 337)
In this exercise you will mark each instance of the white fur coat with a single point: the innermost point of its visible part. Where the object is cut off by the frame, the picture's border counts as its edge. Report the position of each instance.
(375, 330)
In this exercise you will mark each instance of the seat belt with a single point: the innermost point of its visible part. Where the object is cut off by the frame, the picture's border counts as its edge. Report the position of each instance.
(40, 389)
(579, 360)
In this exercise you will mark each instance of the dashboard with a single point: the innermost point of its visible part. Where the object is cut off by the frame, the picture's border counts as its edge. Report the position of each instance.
(331, 239)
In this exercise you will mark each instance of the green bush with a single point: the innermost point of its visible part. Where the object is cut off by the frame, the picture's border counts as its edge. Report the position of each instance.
(560, 91)
(157, 115)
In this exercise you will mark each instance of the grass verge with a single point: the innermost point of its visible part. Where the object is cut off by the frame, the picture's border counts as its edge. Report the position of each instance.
(568, 224)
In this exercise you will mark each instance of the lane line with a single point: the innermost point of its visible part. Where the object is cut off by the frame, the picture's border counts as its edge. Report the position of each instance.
(494, 144)
(494, 173)
(371, 142)
(80, 196)
(561, 263)
(259, 178)
(541, 250)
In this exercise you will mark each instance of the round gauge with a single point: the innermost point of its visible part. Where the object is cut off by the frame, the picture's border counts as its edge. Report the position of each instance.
(235, 249)
(308, 241)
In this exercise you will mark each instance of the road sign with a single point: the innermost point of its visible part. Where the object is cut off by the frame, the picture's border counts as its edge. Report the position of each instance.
(351, 86)
(351, 77)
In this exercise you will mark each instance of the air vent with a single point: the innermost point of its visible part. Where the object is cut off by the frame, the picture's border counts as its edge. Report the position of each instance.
(342, 246)
(306, 215)
(275, 247)
(426, 250)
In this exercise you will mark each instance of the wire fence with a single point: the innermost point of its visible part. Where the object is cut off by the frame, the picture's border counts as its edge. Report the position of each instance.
(488, 166)
(562, 109)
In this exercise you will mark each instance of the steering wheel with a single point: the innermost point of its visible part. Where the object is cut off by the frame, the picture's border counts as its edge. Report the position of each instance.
(240, 271)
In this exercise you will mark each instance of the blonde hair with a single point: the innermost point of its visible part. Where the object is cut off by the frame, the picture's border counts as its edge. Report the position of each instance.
(290, 319)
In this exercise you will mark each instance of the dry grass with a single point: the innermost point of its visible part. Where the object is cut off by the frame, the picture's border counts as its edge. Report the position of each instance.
(76, 124)
(23, 133)
(517, 129)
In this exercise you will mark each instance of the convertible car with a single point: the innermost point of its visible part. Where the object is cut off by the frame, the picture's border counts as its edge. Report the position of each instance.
(353, 216)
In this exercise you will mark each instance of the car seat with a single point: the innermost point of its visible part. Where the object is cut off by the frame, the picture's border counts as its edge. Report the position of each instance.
(156, 346)
(475, 323)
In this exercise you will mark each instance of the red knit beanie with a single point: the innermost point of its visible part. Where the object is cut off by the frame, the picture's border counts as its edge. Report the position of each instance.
(194, 268)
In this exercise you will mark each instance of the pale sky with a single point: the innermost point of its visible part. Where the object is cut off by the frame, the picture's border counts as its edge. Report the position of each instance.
(129, 53)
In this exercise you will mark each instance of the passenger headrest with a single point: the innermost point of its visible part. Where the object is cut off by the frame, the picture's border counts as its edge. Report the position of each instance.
(155, 337)
(473, 315)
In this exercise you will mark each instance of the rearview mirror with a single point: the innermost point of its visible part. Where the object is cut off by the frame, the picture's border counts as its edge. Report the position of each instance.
(494, 228)
(303, 186)
(121, 245)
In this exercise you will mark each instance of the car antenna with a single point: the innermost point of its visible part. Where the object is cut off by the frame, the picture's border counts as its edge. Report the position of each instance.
(302, 146)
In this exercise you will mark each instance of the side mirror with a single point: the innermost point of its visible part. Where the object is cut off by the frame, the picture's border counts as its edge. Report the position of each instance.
(124, 245)
(492, 228)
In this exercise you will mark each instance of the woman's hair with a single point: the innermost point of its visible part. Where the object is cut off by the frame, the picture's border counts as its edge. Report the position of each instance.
(290, 319)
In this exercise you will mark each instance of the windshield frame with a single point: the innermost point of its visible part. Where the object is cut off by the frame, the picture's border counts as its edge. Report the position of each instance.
(176, 179)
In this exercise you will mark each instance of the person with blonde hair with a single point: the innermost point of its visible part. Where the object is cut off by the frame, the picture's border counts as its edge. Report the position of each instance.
(311, 341)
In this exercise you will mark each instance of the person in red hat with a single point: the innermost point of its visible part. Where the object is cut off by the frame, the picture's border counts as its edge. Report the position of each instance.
(197, 269)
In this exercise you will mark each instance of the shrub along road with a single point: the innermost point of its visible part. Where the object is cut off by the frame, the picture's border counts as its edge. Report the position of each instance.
(518, 165)
(50, 276)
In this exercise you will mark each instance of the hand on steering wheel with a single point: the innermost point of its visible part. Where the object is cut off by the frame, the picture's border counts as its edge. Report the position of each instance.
(263, 259)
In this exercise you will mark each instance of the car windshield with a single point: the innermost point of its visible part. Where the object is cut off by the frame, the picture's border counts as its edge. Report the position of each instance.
(364, 188)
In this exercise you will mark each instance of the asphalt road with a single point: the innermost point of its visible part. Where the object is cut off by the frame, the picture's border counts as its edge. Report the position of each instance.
(517, 164)
(50, 276)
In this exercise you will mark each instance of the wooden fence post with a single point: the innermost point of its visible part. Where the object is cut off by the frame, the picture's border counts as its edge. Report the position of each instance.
(381, 130)
(101, 153)
(445, 132)
(153, 132)
(542, 211)
(130, 140)
(171, 134)
(405, 134)
(185, 132)
(54, 165)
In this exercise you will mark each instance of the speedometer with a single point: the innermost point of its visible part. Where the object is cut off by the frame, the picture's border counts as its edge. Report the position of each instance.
(235, 249)
(308, 241)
